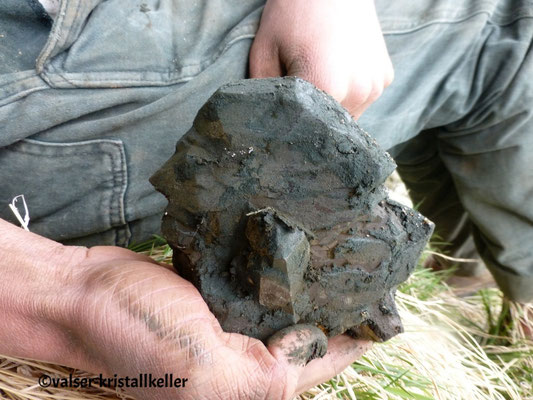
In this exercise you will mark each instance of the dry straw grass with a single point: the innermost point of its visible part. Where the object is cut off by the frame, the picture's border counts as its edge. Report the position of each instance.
(442, 355)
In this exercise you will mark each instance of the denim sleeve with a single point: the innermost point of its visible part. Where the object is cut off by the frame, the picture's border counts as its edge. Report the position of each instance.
(101, 105)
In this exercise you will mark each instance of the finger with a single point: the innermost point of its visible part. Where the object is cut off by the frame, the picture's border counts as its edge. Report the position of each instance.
(317, 71)
(264, 61)
(359, 96)
(342, 351)
(359, 109)
(357, 105)
(294, 347)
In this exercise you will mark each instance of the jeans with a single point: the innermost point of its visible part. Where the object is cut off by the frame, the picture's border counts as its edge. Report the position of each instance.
(93, 107)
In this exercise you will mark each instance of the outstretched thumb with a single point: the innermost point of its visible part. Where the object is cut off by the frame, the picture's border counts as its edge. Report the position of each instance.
(293, 347)
(296, 345)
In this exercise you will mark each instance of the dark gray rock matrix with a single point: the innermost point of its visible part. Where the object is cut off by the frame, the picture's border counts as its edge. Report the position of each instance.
(278, 214)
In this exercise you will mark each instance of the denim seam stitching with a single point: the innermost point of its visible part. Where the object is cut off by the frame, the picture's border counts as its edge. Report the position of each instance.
(58, 29)
(199, 67)
(14, 95)
(117, 217)
(116, 206)
(415, 28)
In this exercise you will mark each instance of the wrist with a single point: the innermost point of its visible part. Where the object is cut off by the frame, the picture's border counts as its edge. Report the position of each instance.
(38, 296)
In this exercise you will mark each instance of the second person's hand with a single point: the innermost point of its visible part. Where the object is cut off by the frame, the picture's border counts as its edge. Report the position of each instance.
(335, 44)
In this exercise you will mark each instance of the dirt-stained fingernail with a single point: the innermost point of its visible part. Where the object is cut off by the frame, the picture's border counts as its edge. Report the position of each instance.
(299, 344)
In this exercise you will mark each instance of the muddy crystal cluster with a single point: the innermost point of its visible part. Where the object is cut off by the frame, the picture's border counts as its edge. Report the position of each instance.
(278, 214)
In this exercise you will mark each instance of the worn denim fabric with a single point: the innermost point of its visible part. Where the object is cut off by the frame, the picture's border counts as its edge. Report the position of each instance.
(460, 115)
(113, 89)
(117, 83)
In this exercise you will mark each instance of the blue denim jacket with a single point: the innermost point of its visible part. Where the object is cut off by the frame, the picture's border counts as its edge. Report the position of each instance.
(111, 91)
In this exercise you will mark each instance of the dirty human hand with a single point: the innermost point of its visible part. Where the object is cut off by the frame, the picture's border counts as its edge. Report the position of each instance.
(335, 44)
(108, 310)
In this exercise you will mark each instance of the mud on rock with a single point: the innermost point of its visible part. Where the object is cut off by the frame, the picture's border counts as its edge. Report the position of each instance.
(278, 214)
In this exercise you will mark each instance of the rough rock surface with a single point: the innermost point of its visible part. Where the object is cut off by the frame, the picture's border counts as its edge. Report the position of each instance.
(278, 214)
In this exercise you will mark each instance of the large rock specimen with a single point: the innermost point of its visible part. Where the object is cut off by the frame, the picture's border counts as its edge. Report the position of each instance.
(278, 214)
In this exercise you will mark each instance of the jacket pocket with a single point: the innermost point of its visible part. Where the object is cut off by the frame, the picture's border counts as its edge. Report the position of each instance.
(72, 190)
